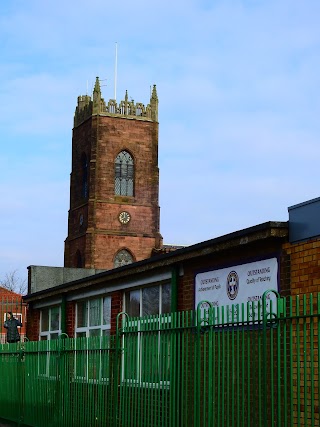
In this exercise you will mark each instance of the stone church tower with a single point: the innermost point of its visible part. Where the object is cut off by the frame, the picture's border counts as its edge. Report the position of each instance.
(114, 186)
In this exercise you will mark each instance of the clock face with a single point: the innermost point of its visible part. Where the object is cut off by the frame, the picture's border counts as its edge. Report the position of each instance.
(124, 217)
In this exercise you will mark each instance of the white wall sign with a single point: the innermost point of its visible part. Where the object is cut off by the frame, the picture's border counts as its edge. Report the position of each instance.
(238, 284)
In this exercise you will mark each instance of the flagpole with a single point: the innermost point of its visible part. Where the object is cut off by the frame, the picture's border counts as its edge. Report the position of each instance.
(115, 72)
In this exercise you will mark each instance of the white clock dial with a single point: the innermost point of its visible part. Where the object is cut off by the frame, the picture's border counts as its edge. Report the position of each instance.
(124, 217)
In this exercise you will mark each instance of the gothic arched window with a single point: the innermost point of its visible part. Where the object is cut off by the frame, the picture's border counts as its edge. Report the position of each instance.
(123, 257)
(84, 170)
(124, 174)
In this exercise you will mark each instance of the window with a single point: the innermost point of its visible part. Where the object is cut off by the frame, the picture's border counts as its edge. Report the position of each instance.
(144, 366)
(123, 257)
(93, 321)
(84, 167)
(147, 301)
(50, 323)
(124, 174)
(50, 329)
(93, 317)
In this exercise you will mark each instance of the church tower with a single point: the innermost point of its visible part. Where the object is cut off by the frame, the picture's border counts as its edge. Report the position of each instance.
(114, 186)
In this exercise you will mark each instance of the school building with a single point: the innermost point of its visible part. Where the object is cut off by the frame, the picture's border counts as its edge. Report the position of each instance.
(198, 320)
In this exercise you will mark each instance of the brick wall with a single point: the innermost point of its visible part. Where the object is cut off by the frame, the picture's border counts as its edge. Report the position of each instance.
(304, 258)
(33, 325)
(116, 307)
(70, 318)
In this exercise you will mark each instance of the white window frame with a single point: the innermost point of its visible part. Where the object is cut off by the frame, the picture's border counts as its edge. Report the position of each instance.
(48, 337)
(161, 319)
(86, 330)
(50, 331)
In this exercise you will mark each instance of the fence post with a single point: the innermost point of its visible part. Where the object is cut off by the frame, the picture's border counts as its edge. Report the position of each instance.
(62, 377)
(197, 370)
(21, 377)
(117, 366)
(267, 316)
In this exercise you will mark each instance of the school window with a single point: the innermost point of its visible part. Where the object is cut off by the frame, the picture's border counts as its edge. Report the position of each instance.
(93, 324)
(147, 301)
(149, 308)
(50, 323)
(50, 329)
(93, 317)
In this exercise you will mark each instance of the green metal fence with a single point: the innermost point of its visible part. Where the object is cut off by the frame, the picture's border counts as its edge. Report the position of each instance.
(249, 365)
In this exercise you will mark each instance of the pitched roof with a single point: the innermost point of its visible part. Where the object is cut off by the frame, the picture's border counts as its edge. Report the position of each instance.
(4, 292)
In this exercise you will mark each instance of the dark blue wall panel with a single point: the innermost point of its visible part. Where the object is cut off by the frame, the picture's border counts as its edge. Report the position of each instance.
(304, 220)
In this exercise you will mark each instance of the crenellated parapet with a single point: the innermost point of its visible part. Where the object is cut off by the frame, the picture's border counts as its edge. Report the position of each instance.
(96, 105)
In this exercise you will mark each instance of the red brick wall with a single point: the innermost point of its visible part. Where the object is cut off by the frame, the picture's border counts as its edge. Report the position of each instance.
(116, 307)
(70, 318)
(304, 258)
(33, 325)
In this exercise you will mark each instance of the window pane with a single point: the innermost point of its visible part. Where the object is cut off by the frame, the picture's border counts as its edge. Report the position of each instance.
(106, 310)
(82, 314)
(95, 312)
(149, 356)
(123, 187)
(94, 332)
(55, 319)
(130, 188)
(43, 338)
(133, 303)
(81, 334)
(54, 336)
(117, 186)
(131, 357)
(166, 298)
(45, 319)
(150, 301)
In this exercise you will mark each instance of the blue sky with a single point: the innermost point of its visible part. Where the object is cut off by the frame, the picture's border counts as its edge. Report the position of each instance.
(238, 84)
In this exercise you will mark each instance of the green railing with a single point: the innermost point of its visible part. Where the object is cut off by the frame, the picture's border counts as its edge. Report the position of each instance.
(249, 365)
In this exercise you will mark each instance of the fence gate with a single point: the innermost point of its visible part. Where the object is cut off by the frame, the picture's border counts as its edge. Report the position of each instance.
(250, 365)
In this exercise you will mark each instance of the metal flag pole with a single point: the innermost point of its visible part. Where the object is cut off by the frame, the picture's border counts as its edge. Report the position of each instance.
(115, 72)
